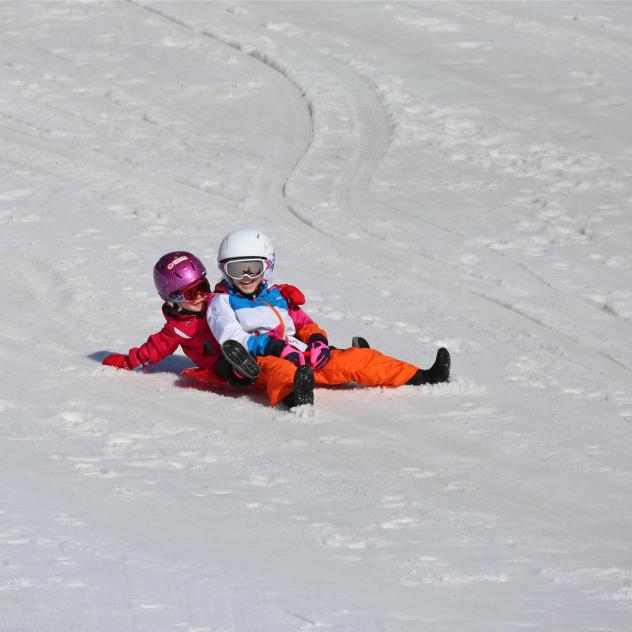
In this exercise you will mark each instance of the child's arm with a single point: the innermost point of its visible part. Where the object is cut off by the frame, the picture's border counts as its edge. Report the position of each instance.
(304, 326)
(157, 348)
(317, 353)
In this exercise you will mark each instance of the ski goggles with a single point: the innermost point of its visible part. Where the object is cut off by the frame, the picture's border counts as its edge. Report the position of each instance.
(197, 289)
(244, 268)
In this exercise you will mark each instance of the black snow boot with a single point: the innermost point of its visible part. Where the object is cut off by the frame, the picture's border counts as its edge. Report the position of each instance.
(438, 372)
(303, 392)
(360, 343)
(239, 367)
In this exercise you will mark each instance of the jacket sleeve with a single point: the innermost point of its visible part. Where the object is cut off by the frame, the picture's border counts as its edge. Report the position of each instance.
(157, 348)
(304, 325)
(224, 325)
(306, 332)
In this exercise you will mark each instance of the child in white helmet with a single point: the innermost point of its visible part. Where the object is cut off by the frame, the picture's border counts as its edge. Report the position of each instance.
(292, 351)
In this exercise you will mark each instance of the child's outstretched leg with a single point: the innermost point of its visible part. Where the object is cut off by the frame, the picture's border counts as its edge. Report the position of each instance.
(369, 367)
(438, 372)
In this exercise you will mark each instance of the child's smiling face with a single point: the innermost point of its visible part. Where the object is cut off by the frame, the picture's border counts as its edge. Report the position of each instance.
(246, 285)
(197, 305)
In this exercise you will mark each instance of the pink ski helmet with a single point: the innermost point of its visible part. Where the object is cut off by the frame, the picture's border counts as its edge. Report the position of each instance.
(174, 271)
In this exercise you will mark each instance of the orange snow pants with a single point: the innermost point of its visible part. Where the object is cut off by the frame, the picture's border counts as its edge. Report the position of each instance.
(368, 367)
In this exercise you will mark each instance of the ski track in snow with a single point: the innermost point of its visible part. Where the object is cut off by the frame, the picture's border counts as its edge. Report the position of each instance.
(432, 174)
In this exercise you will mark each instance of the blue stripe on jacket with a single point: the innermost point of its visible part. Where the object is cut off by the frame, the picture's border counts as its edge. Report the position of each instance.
(257, 344)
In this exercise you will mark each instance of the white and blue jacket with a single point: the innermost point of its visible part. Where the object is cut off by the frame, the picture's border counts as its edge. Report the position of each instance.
(253, 319)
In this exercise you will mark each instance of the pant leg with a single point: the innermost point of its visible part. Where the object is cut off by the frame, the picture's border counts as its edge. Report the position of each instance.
(276, 377)
(368, 367)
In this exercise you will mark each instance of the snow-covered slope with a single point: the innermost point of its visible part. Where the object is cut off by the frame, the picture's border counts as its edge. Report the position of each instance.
(431, 174)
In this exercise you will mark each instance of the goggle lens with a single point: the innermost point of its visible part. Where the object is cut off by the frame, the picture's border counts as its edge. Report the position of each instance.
(249, 268)
(195, 290)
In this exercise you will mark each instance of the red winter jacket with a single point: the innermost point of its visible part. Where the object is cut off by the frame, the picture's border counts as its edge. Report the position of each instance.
(189, 331)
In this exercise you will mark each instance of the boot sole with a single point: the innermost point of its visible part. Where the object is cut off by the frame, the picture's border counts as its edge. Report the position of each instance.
(239, 358)
(303, 386)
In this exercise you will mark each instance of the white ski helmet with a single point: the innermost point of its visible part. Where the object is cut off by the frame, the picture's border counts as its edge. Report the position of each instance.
(246, 243)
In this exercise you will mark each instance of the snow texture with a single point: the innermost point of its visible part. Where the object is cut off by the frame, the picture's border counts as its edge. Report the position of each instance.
(431, 174)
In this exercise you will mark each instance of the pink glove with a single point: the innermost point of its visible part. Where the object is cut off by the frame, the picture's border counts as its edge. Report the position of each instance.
(318, 351)
(117, 360)
(283, 350)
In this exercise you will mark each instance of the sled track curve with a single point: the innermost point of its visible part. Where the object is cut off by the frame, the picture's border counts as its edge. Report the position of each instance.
(374, 137)
(372, 134)
(273, 180)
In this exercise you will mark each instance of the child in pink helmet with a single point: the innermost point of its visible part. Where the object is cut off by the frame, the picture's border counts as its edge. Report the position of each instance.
(180, 279)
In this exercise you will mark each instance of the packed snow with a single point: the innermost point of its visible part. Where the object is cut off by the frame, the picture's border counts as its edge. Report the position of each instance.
(431, 174)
